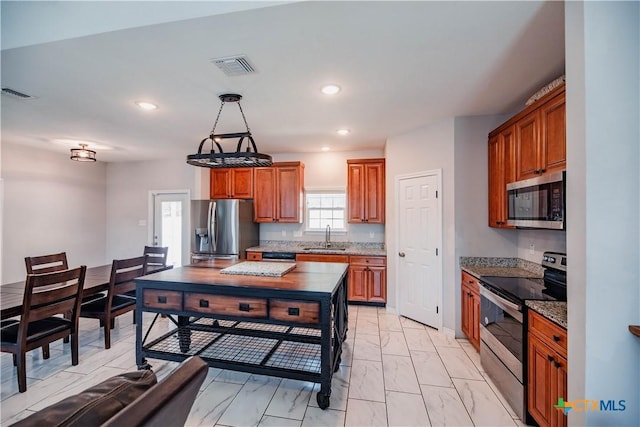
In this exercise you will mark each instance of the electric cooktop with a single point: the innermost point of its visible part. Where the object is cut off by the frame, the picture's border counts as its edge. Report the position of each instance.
(518, 289)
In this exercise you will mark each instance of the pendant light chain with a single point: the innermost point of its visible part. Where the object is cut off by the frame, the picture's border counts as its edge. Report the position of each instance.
(243, 117)
(217, 118)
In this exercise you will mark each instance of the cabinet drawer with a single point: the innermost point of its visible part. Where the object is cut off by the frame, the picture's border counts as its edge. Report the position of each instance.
(254, 256)
(471, 282)
(230, 306)
(294, 311)
(323, 258)
(161, 299)
(550, 333)
(368, 260)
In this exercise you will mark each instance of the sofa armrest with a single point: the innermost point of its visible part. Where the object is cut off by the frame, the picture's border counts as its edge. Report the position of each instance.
(169, 402)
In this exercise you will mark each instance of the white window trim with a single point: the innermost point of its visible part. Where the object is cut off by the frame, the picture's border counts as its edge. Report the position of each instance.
(315, 231)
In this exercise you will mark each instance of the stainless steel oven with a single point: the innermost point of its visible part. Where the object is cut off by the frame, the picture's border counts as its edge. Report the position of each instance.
(502, 332)
(501, 345)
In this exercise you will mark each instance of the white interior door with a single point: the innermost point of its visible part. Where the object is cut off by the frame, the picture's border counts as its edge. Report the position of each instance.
(419, 248)
(170, 225)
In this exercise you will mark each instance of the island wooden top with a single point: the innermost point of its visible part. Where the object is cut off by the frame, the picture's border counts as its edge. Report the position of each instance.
(307, 277)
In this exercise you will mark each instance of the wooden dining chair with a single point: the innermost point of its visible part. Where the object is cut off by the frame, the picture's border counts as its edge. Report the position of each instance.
(157, 256)
(115, 302)
(46, 296)
(46, 263)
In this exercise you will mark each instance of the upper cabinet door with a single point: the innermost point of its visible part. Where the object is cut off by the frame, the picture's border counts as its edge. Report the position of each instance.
(527, 143)
(242, 184)
(231, 183)
(278, 193)
(289, 194)
(554, 131)
(264, 202)
(220, 183)
(366, 190)
(501, 172)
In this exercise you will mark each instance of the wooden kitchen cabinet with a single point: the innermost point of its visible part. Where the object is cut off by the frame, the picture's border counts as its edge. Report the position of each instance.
(541, 137)
(501, 172)
(471, 309)
(323, 257)
(278, 193)
(546, 369)
(366, 190)
(231, 183)
(367, 279)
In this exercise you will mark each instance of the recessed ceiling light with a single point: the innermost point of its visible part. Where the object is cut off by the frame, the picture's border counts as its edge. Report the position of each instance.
(326, 148)
(330, 89)
(146, 105)
(343, 132)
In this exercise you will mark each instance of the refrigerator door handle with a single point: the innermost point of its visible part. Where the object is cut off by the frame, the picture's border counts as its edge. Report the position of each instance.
(209, 225)
(213, 233)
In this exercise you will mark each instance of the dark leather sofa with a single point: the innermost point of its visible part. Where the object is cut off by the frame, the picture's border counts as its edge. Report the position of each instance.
(131, 399)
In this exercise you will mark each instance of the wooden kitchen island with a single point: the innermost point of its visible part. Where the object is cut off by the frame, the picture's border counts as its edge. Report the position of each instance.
(291, 326)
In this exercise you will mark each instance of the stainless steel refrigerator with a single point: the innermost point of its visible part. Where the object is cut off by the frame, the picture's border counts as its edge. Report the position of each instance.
(222, 229)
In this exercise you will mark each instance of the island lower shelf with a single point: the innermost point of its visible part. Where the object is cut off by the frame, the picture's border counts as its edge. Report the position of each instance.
(279, 350)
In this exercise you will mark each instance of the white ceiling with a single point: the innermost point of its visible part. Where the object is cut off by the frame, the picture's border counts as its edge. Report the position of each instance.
(402, 65)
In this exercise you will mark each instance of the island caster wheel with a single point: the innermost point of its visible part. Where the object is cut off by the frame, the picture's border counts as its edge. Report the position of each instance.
(323, 400)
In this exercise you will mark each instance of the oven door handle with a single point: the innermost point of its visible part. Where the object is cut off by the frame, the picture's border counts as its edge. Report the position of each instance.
(513, 309)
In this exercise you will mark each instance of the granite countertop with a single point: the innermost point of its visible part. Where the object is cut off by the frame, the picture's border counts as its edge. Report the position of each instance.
(337, 248)
(479, 271)
(504, 267)
(555, 311)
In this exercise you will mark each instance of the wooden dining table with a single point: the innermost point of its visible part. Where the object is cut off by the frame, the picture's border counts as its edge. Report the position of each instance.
(96, 280)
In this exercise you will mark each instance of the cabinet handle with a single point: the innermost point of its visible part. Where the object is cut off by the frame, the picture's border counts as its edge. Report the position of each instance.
(543, 170)
(556, 338)
(243, 306)
(556, 364)
(293, 311)
(550, 358)
(401, 254)
(162, 300)
(204, 303)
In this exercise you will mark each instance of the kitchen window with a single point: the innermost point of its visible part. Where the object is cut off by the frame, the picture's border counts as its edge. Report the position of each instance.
(325, 207)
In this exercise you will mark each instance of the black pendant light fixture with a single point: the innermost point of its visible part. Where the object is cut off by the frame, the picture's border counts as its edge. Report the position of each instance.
(83, 154)
(242, 157)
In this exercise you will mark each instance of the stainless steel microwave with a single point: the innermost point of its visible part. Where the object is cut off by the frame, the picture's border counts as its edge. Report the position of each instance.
(537, 202)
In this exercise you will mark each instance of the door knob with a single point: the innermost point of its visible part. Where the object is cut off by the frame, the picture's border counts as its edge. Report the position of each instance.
(401, 254)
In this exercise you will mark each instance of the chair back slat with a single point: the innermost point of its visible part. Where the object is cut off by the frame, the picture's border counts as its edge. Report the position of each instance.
(157, 255)
(123, 271)
(49, 294)
(46, 263)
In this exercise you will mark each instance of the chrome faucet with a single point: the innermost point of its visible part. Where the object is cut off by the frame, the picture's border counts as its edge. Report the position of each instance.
(327, 237)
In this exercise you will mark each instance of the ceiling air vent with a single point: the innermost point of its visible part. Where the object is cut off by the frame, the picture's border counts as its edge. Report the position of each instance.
(234, 65)
(15, 94)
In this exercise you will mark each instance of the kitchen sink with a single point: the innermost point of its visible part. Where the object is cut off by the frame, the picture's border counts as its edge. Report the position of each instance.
(316, 249)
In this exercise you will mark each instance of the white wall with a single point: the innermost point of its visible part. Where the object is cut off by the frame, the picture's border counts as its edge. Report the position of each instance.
(127, 199)
(603, 235)
(322, 170)
(51, 204)
(426, 149)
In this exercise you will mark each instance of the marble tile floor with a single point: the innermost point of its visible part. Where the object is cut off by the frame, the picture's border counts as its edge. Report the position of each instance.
(394, 372)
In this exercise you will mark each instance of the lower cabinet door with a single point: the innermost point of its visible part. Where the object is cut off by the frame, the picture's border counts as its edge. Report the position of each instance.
(540, 389)
(377, 284)
(357, 284)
